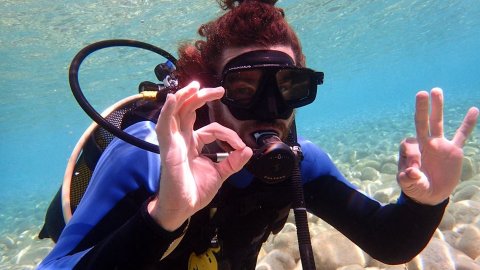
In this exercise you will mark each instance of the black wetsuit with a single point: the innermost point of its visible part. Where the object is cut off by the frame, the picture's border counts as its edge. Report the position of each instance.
(111, 228)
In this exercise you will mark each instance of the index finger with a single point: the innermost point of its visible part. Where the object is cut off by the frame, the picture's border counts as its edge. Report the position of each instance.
(200, 98)
(187, 110)
(466, 127)
(215, 131)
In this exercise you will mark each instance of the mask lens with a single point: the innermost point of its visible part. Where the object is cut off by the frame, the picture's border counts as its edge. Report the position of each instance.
(241, 86)
(294, 84)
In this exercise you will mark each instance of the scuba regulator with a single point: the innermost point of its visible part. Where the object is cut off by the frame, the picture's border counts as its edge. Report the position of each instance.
(273, 162)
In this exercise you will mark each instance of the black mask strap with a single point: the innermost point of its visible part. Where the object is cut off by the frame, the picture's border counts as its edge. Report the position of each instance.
(267, 57)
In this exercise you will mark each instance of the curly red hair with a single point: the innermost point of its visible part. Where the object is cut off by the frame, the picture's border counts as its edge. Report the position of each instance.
(247, 23)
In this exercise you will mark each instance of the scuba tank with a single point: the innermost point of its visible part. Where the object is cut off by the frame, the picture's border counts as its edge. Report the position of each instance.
(275, 161)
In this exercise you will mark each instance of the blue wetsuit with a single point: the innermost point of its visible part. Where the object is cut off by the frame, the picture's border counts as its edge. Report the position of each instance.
(111, 228)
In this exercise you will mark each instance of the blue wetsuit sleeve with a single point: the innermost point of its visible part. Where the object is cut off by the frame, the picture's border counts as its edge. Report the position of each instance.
(138, 243)
(111, 226)
(392, 233)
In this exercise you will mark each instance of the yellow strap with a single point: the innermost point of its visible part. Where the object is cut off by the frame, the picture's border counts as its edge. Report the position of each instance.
(175, 242)
(204, 261)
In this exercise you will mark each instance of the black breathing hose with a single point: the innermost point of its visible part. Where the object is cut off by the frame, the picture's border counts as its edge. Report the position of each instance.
(301, 220)
(82, 101)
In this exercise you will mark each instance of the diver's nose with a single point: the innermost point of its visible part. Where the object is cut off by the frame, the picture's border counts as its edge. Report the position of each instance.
(267, 109)
(270, 106)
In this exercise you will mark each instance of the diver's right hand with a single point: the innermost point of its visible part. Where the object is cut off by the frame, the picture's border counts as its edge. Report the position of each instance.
(189, 181)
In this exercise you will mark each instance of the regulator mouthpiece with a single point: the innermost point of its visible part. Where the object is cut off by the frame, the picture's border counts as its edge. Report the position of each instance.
(273, 162)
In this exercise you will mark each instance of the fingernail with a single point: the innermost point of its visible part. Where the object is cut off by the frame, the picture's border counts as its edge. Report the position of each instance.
(415, 165)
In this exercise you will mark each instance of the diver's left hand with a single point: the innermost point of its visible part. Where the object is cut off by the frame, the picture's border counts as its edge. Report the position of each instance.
(429, 165)
(189, 180)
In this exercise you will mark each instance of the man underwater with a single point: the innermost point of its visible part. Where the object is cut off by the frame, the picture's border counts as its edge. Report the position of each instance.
(253, 70)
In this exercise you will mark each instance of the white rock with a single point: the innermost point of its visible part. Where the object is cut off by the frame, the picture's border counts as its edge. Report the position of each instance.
(469, 242)
(470, 151)
(476, 197)
(262, 253)
(388, 180)
(468, 169)
(276, 260)
(380, 265)
(463, 262)
(299, 266)
(384, 195)
(471, 182)
(371, 163)
(381, 196)
(286, 242)
(395, 267)
(448, 221)
(440, 255)
(451, 237)
(289, 227)
(466, 193)
(369, 173)
(465, 211)
(351, 267)
(312, 218)
(263, 266)
(333, 250)
(389, 168)
(476, 221)
(439, 234)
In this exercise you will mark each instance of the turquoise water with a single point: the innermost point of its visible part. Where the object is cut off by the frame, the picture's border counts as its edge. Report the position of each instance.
(375, 56)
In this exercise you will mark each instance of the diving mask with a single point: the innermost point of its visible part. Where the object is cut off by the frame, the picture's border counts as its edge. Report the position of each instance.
(266, 84)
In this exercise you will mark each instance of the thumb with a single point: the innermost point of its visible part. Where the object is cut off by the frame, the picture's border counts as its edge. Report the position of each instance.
(409, 154)
(234, 162)
(409, 176)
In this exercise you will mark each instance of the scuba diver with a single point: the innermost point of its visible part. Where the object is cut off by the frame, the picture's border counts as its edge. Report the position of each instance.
(238, 90)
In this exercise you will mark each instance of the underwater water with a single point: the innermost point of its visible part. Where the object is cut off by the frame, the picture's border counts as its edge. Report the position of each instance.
(375, 54)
